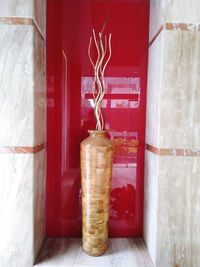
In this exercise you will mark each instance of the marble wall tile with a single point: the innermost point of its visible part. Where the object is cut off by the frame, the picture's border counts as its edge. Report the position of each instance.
(150, 204)
(154, 85)
(16, 210)
(156, 17)
(186, 11)
(16, 8)
(179, 97)
(23, 87)
(22, 208)
(25, 8)
(16, 87)
(172, 182)
(40, 14)
(39, 89)
(178, 232)
(23, 124)
(171, 215)
(173, 90)
(39, 126)
(39, 200)
(174, 11)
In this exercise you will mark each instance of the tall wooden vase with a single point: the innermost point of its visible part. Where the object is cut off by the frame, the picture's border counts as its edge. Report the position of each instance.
(96, 172)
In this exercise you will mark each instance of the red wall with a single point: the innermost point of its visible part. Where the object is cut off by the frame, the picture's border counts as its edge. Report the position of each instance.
(69, 111)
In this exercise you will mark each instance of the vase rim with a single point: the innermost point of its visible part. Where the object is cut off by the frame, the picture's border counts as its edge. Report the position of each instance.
(97, 132)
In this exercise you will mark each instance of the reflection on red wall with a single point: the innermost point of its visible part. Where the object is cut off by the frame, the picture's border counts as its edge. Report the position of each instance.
(70, 109)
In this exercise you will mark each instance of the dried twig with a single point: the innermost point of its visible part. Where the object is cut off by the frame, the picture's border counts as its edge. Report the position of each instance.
(99, 66)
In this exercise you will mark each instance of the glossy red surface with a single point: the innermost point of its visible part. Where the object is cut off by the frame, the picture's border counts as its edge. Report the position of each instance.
(70, 113)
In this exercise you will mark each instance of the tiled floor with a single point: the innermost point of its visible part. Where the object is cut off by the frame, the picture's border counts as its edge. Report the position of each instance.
(122, 252)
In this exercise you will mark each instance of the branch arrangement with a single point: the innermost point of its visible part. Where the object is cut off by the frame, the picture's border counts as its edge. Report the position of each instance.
(103, 47)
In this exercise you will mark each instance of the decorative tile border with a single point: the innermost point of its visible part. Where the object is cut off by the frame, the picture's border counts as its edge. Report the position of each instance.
(21, 149)
(173, 152)
(191, 27)
(22, 21)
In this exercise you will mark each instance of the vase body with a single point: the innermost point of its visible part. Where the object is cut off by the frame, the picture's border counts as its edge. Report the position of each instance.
(96, 173)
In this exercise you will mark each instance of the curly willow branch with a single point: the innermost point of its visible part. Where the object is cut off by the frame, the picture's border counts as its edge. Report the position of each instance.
(99, 66)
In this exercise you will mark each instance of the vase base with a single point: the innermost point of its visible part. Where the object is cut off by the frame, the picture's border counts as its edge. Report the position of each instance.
(95, 252)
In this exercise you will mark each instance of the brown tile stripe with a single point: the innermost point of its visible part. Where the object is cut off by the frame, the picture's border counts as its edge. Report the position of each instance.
(191, 27)
(21, 149)
(176, 26)
(173, 152)
(21, 21)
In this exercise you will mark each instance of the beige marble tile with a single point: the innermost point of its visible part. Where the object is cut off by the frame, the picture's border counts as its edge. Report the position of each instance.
(186, 11)
(16, 8)
(22, 208)
(151, 203)
(25, 8)
(173, 93)
(23, 87)
(154, 85)
(16, 210)
(172, 193)
(178, 212)
(174, 11)
(16, 87)
(39, 194)
(179, 119)
(68, 252)
(39, 90)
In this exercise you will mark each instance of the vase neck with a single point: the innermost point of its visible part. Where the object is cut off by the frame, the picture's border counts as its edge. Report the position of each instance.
(97, 133)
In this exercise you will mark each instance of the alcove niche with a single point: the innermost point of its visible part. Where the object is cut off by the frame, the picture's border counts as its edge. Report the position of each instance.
(70, 114)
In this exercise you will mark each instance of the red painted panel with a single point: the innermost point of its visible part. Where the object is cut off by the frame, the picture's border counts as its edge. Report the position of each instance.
(70, 114)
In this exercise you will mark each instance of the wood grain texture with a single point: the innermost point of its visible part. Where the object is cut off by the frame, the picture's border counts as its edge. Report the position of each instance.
(122, 252)
(96, 172)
